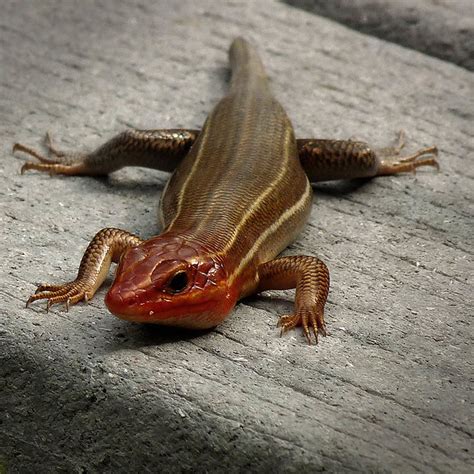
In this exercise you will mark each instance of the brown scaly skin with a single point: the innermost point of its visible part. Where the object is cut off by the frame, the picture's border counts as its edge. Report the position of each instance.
(225, 219)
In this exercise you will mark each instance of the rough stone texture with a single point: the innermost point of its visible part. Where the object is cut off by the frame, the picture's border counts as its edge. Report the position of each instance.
(441, 28)
(82, 391)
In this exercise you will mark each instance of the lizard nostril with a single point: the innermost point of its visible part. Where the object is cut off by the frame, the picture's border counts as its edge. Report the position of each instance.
(115, 300)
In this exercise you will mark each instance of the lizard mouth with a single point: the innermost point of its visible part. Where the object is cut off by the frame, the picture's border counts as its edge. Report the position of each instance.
(164, 311)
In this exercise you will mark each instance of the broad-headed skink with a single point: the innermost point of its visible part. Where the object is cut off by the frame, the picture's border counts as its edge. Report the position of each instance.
(240, 192)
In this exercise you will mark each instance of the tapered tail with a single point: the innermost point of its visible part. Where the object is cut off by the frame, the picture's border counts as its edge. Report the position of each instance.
(247, 67)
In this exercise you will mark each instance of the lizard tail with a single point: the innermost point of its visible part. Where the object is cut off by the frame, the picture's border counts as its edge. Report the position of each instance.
(247, 67)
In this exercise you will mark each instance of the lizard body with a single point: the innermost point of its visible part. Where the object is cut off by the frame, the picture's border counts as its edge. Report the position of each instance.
(239, 194)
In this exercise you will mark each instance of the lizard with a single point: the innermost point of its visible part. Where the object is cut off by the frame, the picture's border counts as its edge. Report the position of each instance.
(239, 193)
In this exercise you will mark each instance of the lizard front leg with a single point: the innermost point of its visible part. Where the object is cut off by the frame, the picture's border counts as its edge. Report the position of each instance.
(310, 277)
(158, 149)
(325, 160)
(106, 247)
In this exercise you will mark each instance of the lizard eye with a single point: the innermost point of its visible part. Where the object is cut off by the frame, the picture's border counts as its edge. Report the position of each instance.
(178, 282)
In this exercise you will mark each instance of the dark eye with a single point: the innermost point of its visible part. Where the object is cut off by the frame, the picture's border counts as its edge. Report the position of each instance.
(178, 282)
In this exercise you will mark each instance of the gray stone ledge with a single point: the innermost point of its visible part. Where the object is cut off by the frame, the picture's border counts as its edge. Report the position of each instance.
(441, 28)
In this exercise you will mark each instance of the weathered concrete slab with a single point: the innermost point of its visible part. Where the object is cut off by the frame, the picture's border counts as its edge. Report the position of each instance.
(441, 28)
(388, 391)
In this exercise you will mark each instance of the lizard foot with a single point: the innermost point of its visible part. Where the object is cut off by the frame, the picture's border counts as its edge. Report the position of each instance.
(69, 293)
(392, 163)
(311, 319)
(410, 163)
(58, 162)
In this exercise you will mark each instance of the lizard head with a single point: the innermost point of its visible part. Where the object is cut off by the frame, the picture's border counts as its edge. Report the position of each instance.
(171, 281)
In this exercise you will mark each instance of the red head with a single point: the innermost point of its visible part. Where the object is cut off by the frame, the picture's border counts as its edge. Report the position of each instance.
(168, 280)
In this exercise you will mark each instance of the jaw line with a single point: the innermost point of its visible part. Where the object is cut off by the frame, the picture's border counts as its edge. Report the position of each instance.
(169, 317)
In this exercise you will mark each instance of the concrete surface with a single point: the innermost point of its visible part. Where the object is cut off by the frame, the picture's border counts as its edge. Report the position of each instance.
(388, 391)
(441, 28)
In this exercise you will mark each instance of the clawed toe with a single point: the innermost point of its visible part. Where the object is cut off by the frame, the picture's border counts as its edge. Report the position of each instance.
(44, 287)
(312, 322)
(432, 150)
(58, 163)
(45, 164)
(48, 141)
(69, 294)
(409, 163)
(287, 322)
(392, 163)
(32, 152)
(51, 167)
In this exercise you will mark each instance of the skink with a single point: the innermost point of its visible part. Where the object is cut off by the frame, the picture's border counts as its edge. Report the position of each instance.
(240, 192)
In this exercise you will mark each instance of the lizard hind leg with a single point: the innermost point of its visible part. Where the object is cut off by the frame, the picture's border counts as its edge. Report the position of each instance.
(157, 149)
(326, 160)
